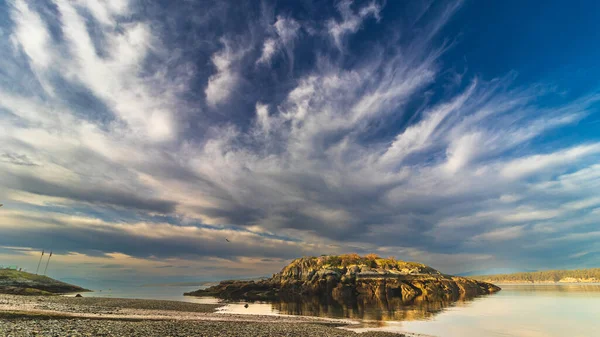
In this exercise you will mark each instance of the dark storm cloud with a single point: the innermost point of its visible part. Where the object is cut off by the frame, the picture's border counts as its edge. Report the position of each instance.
(64, 234)
(97, 195)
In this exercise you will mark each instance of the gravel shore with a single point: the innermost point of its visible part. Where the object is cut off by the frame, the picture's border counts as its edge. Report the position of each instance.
(69, 316)
(87, 327)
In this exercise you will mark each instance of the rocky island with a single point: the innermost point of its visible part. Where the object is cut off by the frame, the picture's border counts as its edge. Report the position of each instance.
(349, 277)
(22, 283)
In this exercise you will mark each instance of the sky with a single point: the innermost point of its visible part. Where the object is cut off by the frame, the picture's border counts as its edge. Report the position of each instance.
(137, 136)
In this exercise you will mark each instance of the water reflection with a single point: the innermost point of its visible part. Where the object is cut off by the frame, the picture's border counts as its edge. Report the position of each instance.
(518, 310)
(358, 308)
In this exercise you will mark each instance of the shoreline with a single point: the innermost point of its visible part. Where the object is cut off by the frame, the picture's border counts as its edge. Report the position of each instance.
(87, 316)
(524, 283)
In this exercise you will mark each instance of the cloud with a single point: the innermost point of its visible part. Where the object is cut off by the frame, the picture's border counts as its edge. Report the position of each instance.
(142, 240)
(155, 133)
(417, 137)
(509, 233)
(526, 166)
(224, 83)
(115, 78)
(285, 31)
(16, 159)
(268, 51)
(582, 204)
(262, 116)
(32, 35)
(106, 196)
(351, 21)
(105, 11)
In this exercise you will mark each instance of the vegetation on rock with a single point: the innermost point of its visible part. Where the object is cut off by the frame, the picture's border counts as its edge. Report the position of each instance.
(342, 263)
(23, 283)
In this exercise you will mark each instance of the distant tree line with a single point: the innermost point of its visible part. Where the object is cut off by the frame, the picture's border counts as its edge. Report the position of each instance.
(544, 276)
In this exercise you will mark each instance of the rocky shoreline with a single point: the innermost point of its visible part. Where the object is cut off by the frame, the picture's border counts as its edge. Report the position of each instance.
(70, 316)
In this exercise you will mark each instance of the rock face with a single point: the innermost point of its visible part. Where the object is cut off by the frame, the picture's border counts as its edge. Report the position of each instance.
(349, 277)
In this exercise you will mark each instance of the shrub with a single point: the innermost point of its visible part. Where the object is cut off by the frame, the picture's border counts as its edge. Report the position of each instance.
(350, 259)
(371, 256)
(334, 260)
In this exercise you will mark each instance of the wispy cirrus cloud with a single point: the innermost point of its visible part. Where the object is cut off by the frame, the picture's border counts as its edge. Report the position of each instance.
(263, 131)
(351, 20)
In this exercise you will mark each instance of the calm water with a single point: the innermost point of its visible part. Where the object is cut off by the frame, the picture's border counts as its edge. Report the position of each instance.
(171, 293)
(569, 310)
(518, 310)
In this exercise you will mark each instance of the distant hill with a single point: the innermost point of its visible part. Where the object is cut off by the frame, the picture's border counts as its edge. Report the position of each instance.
(23, 283)
(546, 276)
(494, 271)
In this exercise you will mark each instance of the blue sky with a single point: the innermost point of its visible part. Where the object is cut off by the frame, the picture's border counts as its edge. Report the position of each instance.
(138, 135)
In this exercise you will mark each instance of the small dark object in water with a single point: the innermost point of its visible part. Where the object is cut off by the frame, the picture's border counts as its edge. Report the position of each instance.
(227, 240)
(246, 305)
(78, 295)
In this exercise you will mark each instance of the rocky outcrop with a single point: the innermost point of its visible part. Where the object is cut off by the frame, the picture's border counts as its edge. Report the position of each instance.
(349, 277)
(22, 283)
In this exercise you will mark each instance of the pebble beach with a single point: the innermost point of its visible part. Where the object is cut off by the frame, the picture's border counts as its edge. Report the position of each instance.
(71, 316)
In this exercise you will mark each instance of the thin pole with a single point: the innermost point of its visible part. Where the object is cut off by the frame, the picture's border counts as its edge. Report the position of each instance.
(47, 263)
(40, 261)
